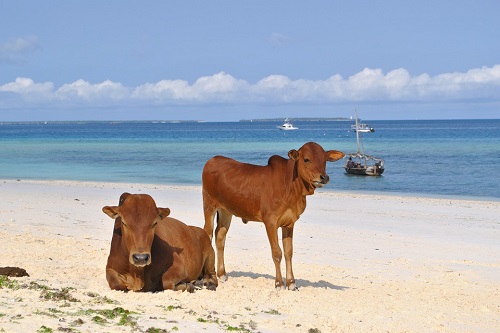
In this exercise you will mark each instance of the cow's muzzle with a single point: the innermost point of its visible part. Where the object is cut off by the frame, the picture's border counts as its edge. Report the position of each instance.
(324, 179)
(141, 259)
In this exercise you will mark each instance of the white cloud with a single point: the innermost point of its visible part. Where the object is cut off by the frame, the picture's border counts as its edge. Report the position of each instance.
(27, 88)
(273, 82)
(163, 90)
(83, 90)
(277, 39)
(219, 87)
(13, 50)
(368, 85)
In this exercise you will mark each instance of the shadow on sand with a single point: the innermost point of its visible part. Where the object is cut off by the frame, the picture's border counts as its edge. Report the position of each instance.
(300, 282)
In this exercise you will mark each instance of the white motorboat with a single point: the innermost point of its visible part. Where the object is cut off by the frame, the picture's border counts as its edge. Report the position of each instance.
(287, 126)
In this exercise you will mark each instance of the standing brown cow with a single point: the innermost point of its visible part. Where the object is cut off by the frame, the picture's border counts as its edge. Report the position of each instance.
(274, 194)
(153, 252)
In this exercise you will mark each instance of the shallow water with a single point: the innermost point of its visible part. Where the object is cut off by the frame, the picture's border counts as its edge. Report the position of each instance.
(435, 157)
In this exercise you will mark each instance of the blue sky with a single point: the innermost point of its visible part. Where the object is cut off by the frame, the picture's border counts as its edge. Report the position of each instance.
(231, 60)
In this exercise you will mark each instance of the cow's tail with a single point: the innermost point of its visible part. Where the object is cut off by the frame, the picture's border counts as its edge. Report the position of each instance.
(216, 218)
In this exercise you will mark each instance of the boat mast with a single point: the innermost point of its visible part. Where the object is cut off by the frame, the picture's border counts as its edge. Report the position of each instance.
(357, 131)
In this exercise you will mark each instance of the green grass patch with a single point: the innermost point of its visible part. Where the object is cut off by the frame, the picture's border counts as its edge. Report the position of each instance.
(156, 330)
(240, 328)
(5, 282)
(100, 300)
(122, 316)
(36, 286)
(173, 307)
(45, 329)
(272, 312)
(51, 312)
(99, 320)
(57, 295)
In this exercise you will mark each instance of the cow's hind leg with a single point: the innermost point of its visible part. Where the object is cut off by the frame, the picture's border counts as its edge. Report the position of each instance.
(223, 224)
(174, 278)
(209, 275)
(209, 210)
(185, 286)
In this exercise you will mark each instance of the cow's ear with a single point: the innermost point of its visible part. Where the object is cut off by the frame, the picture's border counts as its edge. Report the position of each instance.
(163, 212)
(293, 154)
(111, 211)
(122, 198)
(334, 155)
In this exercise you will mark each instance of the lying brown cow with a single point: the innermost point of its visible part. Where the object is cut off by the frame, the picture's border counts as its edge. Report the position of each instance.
(274, 194)
(153, 252)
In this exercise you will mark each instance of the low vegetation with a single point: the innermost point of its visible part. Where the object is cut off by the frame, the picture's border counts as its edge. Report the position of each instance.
(94, 311)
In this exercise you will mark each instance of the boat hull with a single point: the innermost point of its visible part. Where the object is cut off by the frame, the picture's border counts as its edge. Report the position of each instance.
(364, 165)
(365, 171)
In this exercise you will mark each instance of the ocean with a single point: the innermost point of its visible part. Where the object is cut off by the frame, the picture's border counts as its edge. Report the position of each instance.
(457, 158)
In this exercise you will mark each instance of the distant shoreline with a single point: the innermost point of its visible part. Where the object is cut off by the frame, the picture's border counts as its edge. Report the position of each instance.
(296, 119)
(170, 121)
(173, 121)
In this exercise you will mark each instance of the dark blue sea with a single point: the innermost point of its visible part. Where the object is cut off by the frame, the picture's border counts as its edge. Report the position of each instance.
(458, 158)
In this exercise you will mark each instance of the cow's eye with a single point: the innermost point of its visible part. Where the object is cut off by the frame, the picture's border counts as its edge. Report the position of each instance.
(307, 160)
(124, 224)
(154, 225)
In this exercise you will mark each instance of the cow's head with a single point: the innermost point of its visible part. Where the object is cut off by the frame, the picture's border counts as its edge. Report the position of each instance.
(310, 164)
(138, 216)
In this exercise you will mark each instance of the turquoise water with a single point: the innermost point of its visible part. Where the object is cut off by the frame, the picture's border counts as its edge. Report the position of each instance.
(438, 157)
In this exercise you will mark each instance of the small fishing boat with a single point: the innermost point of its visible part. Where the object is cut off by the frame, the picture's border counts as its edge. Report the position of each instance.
(362, 128)
(359, 163)
(287, 126)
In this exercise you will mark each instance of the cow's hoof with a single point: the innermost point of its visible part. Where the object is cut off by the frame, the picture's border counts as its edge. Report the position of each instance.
(222, 278)
(279, 286)
(190, 288)
(293, 287)
(211, 286)
(198, 284)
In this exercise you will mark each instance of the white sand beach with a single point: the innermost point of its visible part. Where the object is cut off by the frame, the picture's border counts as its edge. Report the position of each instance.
(363, 263)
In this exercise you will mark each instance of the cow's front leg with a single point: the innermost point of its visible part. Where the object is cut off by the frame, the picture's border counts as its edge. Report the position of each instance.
(287, 235)
(116, 281)
(272, 235)
(123, 282)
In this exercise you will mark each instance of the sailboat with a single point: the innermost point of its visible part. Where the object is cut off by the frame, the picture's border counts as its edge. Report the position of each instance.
(359, 163)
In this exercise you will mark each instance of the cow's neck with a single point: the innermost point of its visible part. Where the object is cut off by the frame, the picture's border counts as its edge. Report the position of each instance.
(299, 185)
(297, 191)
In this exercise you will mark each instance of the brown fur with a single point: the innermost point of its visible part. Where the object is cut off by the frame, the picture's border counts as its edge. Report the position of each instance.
(171, 254)
(274, 194)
